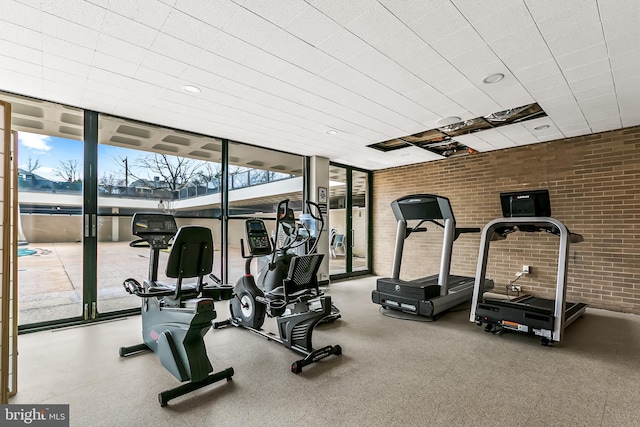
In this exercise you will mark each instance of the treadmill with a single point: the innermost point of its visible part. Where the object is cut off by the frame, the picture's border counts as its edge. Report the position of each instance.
(428, 296)
(526, 212)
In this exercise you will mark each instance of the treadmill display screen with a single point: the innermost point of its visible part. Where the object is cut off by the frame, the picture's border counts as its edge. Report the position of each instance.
(526, 204)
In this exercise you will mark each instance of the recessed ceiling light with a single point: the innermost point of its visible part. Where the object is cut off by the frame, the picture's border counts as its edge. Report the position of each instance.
(332, 132)
(541, 127)
(446, 121)
(191, 89)
(493, 78)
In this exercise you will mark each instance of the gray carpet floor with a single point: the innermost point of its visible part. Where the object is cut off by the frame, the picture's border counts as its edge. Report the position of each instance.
(392, 373)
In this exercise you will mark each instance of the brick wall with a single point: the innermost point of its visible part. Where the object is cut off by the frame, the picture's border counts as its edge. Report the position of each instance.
(594, 185)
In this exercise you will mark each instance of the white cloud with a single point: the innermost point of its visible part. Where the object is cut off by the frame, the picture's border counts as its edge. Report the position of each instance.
(47, 172)
(35, 141)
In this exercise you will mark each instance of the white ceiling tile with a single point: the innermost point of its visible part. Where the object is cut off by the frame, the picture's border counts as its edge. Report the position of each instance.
(163, 63)
(583, 56)
(541, 70)
(312, 26)
(17, 65)
(399, 44)
(341, 11)
(519, 134)
(21, 14)
(279, 12)
(215, 13)
(468, 60)
(520, 59)
(591, 82)
(139, 11)
(595, 92)
(177, 49)
(342, 45)
(188, 29)
(449, 20)
(619, 17)
(426, 58)
(605, 125)
(14, 50)
(157, 78)
(121, 28)
(474, 10)
(409, 11)
(375, 24)
(22, 83)
(119, 48)
(250, 28)
(601, 66)
(115, 65)
(503, 20)
(23, 36)
(620, 46)
(69, 31)
(58, 77)
(464, 40)
(496, 139)
(107, 77)
(63, 64)
(438, 72)
(80, 12)
(568, 43)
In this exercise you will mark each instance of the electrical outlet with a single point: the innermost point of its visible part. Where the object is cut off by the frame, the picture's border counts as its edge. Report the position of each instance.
(526, 269)
(516, 288)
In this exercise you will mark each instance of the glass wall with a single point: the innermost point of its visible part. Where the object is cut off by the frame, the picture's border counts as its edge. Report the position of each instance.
(258, 180)
(83, 175)
(146, 168)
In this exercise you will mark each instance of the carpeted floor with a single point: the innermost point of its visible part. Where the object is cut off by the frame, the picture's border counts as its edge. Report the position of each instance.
(392, 373)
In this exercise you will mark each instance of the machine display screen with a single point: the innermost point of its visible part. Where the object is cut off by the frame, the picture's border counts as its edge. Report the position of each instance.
(526, 204)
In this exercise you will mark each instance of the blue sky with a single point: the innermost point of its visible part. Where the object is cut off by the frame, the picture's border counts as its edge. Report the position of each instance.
(51, 150)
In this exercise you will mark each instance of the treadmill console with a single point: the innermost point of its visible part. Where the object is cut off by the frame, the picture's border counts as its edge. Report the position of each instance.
(258, 237)
(526, 204)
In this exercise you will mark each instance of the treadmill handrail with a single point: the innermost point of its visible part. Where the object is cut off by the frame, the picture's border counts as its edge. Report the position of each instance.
(563, 261)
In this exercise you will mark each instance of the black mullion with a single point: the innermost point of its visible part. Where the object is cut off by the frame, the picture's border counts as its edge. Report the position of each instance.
(90, 212)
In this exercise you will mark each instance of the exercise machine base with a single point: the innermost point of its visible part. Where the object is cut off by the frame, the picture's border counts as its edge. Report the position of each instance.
(525, 314)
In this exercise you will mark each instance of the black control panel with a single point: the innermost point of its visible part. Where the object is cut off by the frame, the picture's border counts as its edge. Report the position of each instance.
(258, 237)
(157, 229)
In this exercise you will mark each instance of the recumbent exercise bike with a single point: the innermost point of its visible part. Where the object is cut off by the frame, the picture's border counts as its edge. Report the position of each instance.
(175, 318)
(290, 303)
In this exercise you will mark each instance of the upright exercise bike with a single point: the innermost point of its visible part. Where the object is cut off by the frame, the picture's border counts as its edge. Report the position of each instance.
(176, 318)
(290, 303)
(297, 235)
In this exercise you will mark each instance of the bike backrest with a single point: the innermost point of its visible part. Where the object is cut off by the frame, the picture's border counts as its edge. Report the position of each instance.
(302, 274)
(191, 254)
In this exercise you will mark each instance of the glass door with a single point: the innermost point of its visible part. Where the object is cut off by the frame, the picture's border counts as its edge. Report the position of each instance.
(50, 221)
(349, 221)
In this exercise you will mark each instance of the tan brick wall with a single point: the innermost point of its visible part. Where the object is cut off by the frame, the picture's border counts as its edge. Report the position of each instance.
(594, 185)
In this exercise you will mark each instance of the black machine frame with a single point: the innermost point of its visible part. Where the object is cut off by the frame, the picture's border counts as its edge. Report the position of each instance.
(433, 295)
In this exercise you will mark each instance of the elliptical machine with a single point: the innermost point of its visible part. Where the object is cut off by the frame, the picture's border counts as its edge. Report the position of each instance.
(290, 303)
(297, 234)
(176, 318)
